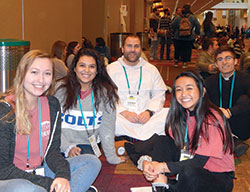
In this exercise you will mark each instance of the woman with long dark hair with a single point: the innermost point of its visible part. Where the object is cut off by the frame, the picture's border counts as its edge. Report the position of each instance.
(198, 146)
(88, 98)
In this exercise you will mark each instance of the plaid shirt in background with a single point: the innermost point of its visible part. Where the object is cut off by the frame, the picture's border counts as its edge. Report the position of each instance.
(166, 23)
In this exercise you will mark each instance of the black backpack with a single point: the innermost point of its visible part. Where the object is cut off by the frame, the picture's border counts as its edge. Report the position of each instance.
(185, 28)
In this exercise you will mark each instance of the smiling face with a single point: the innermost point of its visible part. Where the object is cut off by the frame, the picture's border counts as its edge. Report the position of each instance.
(187, 92)
(86, 70)
(226, 62)
(132, 50)
(38, 78)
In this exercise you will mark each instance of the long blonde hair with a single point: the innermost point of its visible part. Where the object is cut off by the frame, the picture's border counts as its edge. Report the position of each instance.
(23, 125)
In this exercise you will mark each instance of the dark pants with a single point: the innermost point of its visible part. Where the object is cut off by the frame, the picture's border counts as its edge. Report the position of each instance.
(240, 125)
(191, 178)
(165, 41)
(183, 49)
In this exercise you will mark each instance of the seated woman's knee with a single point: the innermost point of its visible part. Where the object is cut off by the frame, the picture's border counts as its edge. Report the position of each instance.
(21, 185)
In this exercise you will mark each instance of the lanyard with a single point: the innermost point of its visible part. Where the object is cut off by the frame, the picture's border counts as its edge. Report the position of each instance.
(231, 92)
(139, 86)
(40, 135)
(93, 107)
(186, 135)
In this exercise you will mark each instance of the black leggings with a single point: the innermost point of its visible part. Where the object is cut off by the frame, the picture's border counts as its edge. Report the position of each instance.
(197, 179)
(191, 178)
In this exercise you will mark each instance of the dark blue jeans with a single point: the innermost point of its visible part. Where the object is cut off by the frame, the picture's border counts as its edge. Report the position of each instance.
(165, 41)
(183, 49)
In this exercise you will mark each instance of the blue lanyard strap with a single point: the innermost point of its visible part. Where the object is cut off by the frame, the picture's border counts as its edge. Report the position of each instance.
(186, 134)
(139, 86)
(93, 108)
(40, 134)
(231, 91)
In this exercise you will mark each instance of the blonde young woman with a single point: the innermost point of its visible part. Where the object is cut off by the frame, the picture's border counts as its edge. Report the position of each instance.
(30, 130)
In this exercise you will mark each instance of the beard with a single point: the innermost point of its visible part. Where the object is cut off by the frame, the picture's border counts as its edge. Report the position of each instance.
(133, 58)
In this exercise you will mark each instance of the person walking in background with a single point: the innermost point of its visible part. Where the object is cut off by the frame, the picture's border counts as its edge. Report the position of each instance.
(30, 130)
(165, 33)
(88, 98)
(208, 26)
(178, 11)
(185, 27)
(153, 23)
(102, 49)
(58, 54)
(72, 49)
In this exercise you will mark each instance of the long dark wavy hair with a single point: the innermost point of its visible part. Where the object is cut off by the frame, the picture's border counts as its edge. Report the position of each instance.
(208, 21)
(103, 86)
(204, 115)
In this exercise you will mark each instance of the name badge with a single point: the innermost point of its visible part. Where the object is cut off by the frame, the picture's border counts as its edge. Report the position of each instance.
(37, 171)
(93, 143)
(185, 155)
(132, 102)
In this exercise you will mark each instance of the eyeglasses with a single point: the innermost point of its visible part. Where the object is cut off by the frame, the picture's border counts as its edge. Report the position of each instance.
(227, 58)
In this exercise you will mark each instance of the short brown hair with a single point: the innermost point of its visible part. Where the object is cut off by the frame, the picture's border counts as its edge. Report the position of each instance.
(206, 43)
(132, 36)
(222, 49)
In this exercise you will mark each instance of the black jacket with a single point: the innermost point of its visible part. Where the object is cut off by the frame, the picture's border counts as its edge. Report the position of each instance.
(239, 122)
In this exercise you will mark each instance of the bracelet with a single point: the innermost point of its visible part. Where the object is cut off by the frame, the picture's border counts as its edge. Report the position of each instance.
(143, 158)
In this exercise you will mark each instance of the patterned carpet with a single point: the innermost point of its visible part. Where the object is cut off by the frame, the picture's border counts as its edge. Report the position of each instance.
(119, 178)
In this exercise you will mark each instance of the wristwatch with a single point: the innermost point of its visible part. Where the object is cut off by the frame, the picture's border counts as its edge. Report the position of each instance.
(151, 113)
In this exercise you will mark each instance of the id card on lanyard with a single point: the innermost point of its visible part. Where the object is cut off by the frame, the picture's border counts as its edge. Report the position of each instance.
(185, 155)
(132, 99)
(38, 170)
(91, 137)
(93, 143)
(132, 102)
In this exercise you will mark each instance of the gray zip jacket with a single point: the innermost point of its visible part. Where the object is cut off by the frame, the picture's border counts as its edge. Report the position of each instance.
(52, 156)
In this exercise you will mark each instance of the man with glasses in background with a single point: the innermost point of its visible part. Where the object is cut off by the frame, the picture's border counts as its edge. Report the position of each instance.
(229, 89)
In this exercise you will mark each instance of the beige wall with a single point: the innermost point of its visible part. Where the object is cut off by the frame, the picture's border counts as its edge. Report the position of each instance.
(102, 17)
(93, 19)
(44, 21)
(10, 19)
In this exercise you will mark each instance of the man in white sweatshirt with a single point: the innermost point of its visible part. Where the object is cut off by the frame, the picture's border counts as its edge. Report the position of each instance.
(141, 90)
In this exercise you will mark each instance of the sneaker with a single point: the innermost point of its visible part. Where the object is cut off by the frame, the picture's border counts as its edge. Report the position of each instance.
(160, 187)
(184, 65)
(92, 188)
(240, 147)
